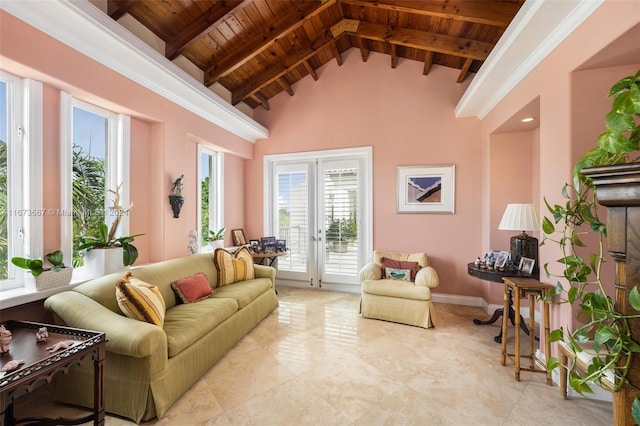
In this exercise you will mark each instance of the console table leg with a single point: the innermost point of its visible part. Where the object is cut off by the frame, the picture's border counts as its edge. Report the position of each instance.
(98, 380)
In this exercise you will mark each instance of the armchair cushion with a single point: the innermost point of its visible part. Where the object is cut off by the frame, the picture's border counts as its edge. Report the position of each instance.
(386, 262)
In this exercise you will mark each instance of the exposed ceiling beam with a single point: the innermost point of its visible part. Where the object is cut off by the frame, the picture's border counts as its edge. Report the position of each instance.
(285, 86)
(424, 40)
(394, 56)
(200, 27)
(496, 13)
(336, 52)
(277, 71)
(262, 100)
(362, 45)
(116, 9)
(262, 42)
(310, 70)
(428, 61)
(465, 70)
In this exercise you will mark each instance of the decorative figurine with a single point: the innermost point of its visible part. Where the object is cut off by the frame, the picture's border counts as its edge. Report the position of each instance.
(5, 339)
(60, 346)
(192, 246)
(477, 262)
(12, 365)
(42, 334)
(176, 189)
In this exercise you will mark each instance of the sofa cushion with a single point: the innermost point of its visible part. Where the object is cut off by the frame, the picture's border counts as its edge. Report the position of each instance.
(244, 292)
(140, 300)
(396, 288)
(386, 262)
(193, 288)
(233, 267)
(398, 274)
(185, 324)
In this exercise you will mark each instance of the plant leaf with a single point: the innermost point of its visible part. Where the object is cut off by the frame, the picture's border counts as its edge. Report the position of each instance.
(634, 298)
(635, 410)
(55, 258)
(621, 122)
(553, 363)
(555, 335)
(104, 233)
(603, 335)
(547, 226)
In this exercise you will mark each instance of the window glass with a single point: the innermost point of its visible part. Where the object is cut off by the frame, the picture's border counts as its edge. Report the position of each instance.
(4, 125)
(210, 189)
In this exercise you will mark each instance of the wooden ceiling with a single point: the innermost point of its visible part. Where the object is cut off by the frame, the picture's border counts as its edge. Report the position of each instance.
(259, 48)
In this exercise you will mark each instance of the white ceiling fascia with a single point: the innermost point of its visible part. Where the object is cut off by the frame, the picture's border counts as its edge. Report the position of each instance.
(538, 27)
(83, 27)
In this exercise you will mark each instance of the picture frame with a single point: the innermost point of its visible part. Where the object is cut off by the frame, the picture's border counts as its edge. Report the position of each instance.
(254, 245)
(526, 265)
(426, 189)
(238, 237)
(268, 244)
(281, 245)
(502, 258)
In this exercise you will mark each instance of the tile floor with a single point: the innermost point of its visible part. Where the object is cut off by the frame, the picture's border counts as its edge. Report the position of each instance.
(315, 361)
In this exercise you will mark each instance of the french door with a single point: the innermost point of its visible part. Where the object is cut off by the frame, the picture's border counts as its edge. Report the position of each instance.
(320, 203)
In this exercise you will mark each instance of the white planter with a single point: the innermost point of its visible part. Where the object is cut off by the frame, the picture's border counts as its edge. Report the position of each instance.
(216, 244)
(51, 279)
(104, 261)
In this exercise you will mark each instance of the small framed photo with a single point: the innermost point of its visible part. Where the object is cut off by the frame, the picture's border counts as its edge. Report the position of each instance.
(281, 245)
(526, 265)
(502, 258)
(238, 237)
(254, 245)
(268, 244)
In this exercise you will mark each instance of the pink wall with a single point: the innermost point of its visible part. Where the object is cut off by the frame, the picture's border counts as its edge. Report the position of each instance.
(572, 109)
(408, 120)
(161, 145)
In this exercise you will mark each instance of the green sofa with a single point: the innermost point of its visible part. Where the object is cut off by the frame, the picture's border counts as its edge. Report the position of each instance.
(147, 368)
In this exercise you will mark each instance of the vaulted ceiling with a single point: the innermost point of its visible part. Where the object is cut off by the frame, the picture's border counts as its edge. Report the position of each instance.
(259, 48)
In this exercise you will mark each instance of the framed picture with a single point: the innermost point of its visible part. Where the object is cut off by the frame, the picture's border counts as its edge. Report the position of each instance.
(268, 244)
(426, 189)
(254, 245)
(238, 237)
(503, 256)
(281, 245)
(526, 265)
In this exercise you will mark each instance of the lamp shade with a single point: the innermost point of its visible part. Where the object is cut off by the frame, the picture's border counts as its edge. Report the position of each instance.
(520, 217)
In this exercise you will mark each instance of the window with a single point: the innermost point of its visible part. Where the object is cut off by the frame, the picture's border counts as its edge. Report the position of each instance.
(21, 209)
(95, 157)
(209, 192)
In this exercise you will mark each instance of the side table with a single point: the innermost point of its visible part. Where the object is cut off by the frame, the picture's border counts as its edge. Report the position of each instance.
(40, 366)
(516, 288)
(497, 277)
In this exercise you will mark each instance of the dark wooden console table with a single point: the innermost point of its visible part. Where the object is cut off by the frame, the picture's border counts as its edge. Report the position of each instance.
(40, 366)
(496, 276)
(268, 259)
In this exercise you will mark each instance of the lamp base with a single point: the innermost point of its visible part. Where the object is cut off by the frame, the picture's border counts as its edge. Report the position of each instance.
(524, 245)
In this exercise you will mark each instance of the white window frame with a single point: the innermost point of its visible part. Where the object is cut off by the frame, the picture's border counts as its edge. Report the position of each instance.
(216, 192)
(116, 171)
(24, 183)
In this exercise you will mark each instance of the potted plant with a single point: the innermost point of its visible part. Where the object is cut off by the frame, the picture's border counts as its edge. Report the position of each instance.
(46, 277)
(216, 238)
(105, 252)
(605, 326)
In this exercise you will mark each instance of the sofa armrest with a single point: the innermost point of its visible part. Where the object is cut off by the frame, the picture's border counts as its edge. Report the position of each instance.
(263, 271)
(427, 277)
(370, 271)
(124, 335)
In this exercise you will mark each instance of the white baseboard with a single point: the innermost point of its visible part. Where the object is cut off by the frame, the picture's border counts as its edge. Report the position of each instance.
(455, 299)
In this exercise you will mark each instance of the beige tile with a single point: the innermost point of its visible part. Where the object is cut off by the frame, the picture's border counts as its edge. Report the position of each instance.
(315, 361)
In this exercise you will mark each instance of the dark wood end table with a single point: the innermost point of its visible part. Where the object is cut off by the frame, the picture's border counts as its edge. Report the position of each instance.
(496, 277)
(40, 365)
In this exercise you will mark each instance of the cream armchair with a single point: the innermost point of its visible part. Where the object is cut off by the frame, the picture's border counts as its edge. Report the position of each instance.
(406, 302)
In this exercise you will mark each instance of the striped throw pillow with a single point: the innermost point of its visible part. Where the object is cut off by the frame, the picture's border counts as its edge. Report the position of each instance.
(140, 300)
(233, 267)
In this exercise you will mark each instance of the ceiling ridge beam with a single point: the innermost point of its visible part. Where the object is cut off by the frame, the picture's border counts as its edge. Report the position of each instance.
(200, 27)
(496, 13)
(261, 43)
(465, 70)
(278, 70)
(423, 40)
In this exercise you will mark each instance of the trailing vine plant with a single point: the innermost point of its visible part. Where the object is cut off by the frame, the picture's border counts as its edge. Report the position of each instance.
(603, 327)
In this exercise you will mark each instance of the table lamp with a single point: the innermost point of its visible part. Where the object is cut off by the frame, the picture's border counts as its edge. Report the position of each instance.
(522, 217)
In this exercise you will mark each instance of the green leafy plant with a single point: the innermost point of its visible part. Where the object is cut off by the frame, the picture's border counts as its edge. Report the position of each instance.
(342, 230)
(106, 240)
(36, 266)
(216, 235)
(571, 223)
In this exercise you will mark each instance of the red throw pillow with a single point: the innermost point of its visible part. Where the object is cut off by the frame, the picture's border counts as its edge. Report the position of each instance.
(193, 288)
(400, 264)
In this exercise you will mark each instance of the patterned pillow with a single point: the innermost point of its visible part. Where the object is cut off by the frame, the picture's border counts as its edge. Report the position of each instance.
(140, 300)
(193, 288)
(399, 264)
(233, 267)
(398, 274)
